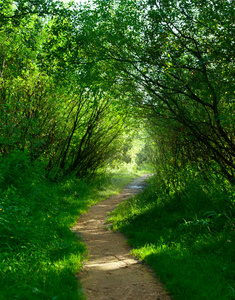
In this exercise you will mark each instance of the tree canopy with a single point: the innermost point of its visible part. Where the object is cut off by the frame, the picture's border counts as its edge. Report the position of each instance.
(72, 74)
(177, 57)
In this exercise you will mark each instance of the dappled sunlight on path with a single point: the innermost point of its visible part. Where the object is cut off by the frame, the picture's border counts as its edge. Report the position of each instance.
(111, 272)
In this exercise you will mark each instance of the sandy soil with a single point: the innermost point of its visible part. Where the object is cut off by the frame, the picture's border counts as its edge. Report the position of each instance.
(111, 273)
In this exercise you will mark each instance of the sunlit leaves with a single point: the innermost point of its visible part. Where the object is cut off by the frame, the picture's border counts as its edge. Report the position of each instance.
(176, 52)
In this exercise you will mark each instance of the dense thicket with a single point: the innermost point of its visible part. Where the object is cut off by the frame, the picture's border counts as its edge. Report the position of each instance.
(178, 57)
(72, 78)
(53, 105)
(68, 73)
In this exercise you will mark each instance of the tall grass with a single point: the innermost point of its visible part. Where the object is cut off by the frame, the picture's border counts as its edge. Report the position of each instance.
(186, 235)
(40, 256)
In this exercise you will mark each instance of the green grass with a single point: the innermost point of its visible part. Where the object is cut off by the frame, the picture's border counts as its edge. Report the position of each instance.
(40, 255)
(187, 239)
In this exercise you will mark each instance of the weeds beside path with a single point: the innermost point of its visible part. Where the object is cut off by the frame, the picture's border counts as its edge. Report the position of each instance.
(187, 238)
(111, 272)
(39, 255)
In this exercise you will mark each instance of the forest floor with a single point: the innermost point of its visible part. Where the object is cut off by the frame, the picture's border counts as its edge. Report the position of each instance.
(111, 272)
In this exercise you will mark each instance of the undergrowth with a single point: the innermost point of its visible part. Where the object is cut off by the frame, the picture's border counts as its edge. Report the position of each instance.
(40, 256)
(185, 235)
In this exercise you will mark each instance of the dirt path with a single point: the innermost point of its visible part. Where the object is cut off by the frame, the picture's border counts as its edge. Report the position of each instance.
(111, 272)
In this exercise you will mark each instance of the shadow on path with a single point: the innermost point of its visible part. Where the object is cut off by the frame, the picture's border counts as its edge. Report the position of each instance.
(111, 273)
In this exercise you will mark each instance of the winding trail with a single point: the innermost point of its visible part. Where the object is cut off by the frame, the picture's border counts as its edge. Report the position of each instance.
(111, 273)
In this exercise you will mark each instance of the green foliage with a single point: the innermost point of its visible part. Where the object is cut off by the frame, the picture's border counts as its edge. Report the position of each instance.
(40, 256)
(187, 242)
(74, 81)
(133, 149)
(70, 81)
(178, 66)
(14, 12)
(36, 248)
(60, 113)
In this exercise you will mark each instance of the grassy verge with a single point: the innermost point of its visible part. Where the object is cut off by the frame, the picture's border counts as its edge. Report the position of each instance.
(39, 254)
(187, 239)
